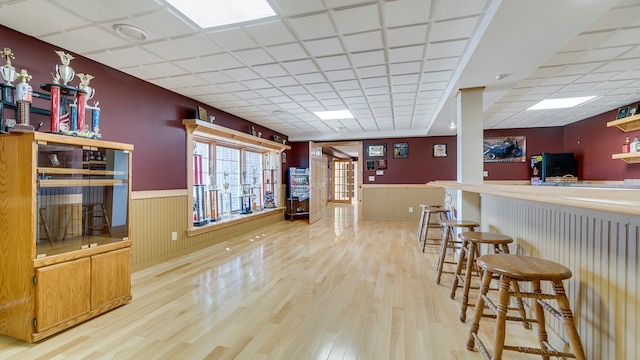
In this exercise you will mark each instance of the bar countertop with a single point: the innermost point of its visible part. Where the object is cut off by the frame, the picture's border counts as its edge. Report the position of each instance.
(597, 197)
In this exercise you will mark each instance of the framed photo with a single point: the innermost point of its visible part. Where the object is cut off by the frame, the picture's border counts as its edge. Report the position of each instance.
(400, 150)
(622, 112)
(377, 151)
(202, 114)
(632, 111)
(382, 164)
(439, 150)
(504, 149)
(371, 165)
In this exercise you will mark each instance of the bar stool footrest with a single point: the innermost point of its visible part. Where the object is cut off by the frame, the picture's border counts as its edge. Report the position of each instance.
(538, 351)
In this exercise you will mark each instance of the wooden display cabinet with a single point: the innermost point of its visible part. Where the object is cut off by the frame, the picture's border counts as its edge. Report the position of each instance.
(64, 231)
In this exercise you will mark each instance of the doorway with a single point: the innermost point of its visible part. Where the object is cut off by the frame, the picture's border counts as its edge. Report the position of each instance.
(343, 181)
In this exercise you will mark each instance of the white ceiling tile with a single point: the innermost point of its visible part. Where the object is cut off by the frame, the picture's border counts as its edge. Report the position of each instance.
(241, 74)
(162, 24)
(193, 65)
(312, 78)
(375, 82)
(405, 68)
(453, 29)
(405, 79)
(44, 17)
(142, 72)
(285, 52)
(231, 87)
(406, 54)
(270, 92)
(254, 56)
(604, 54)
(293, 90)
(333, 62)
(620, 65)
(300, 66)
(319, 87)
(403, 36)
(346, 85)
(137, 55)
(313, 26)
(401, 89)
(270, 32)
(323, 47)
(431, 76)
(283, 81)
(270, 70)
(364, 41)
(233, 39)
(372, 71)
(399, 13)
(377, 91)
(368, 58)
(446, 49)
(350, 93)
(214, 77)
(577, 69)
(367, 19)
(339, 75)
(166, 68)
(458, 8)
(257, 84)
(109, 57)
(222, 61)
(438, 65)
(438, 85)
(295, 7)
(88, 39)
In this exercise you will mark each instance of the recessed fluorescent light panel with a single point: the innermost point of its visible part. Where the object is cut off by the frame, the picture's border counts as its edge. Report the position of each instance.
(560, 103)
(334, 115)
(210, 13)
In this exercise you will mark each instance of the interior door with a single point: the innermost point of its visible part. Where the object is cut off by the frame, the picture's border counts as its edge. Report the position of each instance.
(315, 174)
(342, 181)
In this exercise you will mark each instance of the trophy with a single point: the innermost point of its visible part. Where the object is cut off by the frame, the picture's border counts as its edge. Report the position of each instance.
(64, 71)
(24, 96)
(84, 85)
(9, 73)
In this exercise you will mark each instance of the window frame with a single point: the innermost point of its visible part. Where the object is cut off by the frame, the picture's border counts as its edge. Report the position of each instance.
(215, 135)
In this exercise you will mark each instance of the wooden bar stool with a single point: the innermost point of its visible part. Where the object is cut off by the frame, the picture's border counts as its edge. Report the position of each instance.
(524, 268)
(425, 223)
(470, 250)
(449, 241)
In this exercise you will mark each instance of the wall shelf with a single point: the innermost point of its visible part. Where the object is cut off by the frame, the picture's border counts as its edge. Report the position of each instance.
(630, 158)
(627, 124)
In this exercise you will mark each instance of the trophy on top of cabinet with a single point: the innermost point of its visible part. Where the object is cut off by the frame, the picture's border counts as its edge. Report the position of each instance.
(9, 73)
(84, 85)
(64, 71)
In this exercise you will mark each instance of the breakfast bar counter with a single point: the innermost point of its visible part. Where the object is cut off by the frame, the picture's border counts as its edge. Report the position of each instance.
(594, 230)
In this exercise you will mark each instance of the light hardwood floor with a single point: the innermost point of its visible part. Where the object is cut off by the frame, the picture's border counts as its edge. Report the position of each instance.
(337, 289)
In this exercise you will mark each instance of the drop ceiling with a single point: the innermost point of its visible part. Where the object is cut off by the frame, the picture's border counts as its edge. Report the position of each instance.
(396, 64)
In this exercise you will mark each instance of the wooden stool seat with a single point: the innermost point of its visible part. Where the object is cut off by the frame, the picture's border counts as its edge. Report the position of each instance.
(470, 250)
(524, 268)
(425, 223)
(449, 242)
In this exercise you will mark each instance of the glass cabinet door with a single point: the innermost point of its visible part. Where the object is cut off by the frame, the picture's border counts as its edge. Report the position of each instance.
(82, 197)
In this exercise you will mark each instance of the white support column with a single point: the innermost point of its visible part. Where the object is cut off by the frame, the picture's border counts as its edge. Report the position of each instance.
(469, 145)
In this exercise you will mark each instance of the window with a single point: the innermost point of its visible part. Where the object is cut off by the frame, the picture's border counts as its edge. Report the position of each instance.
(227, 170)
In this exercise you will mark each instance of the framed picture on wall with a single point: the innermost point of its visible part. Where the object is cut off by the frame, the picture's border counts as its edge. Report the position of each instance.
(622, 112)
(376, 151)
(400, 150)
(382, 164)
(439, 150)
(371, 165)
(202, 114)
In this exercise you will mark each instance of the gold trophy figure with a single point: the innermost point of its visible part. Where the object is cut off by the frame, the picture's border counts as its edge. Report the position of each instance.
(9, 73)
(84, 85)
(64, 71)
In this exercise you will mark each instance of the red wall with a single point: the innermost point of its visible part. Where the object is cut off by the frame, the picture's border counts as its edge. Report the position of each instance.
(593, 142)
(539, 140)
(131, 111)
(419, 167)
